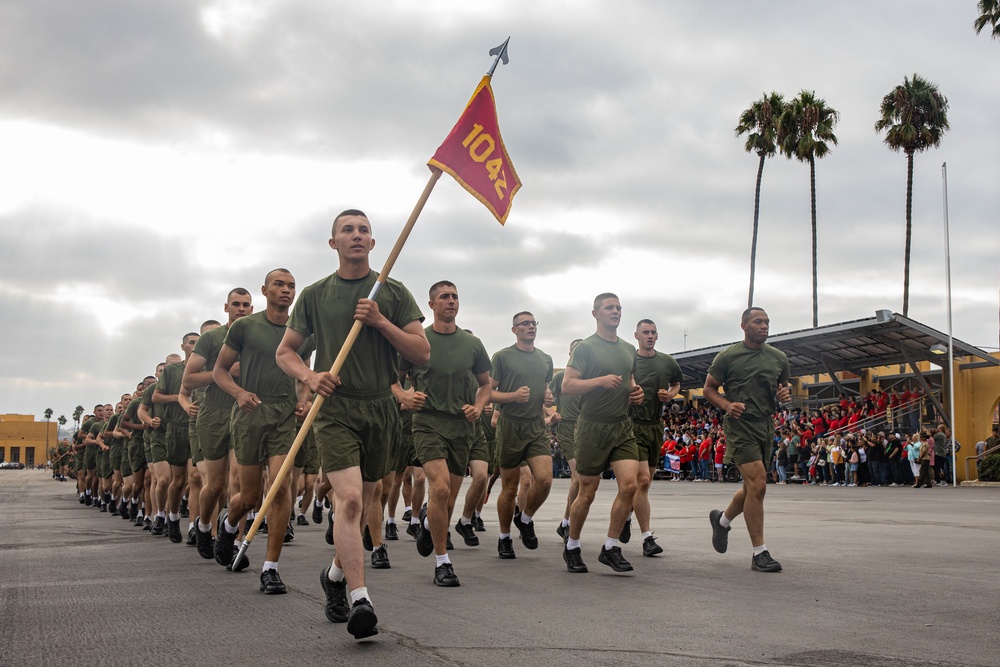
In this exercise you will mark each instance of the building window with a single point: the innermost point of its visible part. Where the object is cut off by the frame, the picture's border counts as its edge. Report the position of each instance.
(29, 456)
(15, 454)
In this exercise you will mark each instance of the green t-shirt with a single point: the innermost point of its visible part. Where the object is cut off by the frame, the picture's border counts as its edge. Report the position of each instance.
(208, 347)
(170, 383)
(255, 339)
(653, 374)
(567, 406)
(112, 425)
(595, 357)
(326, 310)
(132, 414)
(154, 409)
(96, 428)
(84, 430)
(514, 368)
(751, 377)
(448, 379)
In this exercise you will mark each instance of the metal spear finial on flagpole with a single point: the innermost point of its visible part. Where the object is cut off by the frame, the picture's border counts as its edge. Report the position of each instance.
(501, 54)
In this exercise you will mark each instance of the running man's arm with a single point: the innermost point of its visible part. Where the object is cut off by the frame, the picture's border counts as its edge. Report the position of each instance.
(711, 393)
(483, 393)
(410, 341)
(574, 385)
(195, 376)
(288, 360)
(247, 401)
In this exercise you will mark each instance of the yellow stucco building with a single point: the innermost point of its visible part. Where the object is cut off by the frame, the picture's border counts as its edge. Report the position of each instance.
(24, 440)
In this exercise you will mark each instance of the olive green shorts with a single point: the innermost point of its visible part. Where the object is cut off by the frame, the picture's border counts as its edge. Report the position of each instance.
(214, 436)
(103, 464)
(566, 438)
(482, 448)
(90, 457)
(519, 440)
(157, 445)
(267, 431)
(599, 444)
(126, 463)
(196, 455)
(178, 444)
(117, 449)
(649, 438)
(358, 432)
(440, 436)
(79, 457)
(310, 457)
(747, 440)
(137, 455)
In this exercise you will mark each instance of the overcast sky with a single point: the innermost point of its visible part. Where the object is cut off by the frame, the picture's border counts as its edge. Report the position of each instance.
(155, 154)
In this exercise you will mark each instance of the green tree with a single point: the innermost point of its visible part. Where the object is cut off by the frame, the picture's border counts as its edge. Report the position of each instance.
(61, 420)
(913, 116)
(48, 417)
(77, 414)
(759, 123)
(805, 132)
(989, 15)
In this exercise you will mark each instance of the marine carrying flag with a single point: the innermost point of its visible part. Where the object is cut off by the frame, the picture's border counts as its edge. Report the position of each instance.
(474, 154)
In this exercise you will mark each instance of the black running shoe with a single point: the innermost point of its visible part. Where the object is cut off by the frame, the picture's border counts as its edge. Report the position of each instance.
(83, 500)
(88, 501)
(444, 575)
(158, 526)
(326, 502)
(447, 544)
(174, 531)
(133, 511)
(391, 533)
(407, 515)
(614, 559)
(425, 543)
(204, 542)
(505, 547)
(317, 513)
(123, 511)
(626, 534)
(650, 547)
(763, 562)
(527, 531)
(184, 508)
(192, 539)
(362, 620)
(289, 533)
(468, 533)
(337, 609)
(720, 535)
(563, 532)
(413, 530)
(271, 583)
(301, 520)
(113, 509)
(477, 521)
(242, 565)
(574, 560)
(224, 541)
(366, 539)
(329, 531)
(147, 524)
(104, 507)
(380, 558)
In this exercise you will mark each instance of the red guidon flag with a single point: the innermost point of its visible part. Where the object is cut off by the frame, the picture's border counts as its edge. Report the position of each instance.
(474, 154)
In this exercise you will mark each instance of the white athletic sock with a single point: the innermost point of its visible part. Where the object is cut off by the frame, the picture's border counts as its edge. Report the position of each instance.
(335, 574)
(161, 515)
(88, 492)
(572, 544)
(647, 534)
(504, 536)
(564, 523)
(441, 560)
(426, 524)
(415, 520)
(629, 516)
(269, 565)
(190, 525)
(408, 508)
(230, 528)
(173, 517)
(610, 543)
(82, 494)
(724, 522)
(390, 519)
(475, 514)
(359, 593)
(318, 503)
(251, 516)
(204, 527)
(525, 518)
(464, 521)
(298, 500)
(759, 550)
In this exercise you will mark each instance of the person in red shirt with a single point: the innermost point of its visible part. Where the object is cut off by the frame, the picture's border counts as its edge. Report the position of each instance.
(720, 453)
(704, 458)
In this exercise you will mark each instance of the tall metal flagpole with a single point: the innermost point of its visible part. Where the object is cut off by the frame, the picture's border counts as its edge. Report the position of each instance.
(501, 54)
(951, 340)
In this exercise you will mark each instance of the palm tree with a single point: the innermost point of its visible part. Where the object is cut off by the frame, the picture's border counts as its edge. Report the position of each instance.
(77, 414)
(805, 130)
(759, 123)
(48, 418)
(61, 420)
(989, 15)
(914, 116)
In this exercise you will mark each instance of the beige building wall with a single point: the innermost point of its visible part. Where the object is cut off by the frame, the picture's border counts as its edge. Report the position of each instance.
(23, 439)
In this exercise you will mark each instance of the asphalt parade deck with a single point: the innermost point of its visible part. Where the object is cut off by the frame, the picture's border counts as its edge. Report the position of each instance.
(872, 576)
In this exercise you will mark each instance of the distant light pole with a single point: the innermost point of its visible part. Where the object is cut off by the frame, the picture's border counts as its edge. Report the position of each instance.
(951, 340)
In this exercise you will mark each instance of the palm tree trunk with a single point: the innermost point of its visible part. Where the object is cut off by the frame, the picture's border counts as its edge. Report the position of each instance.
(753, 243)
(812, 188)
(906, 250)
